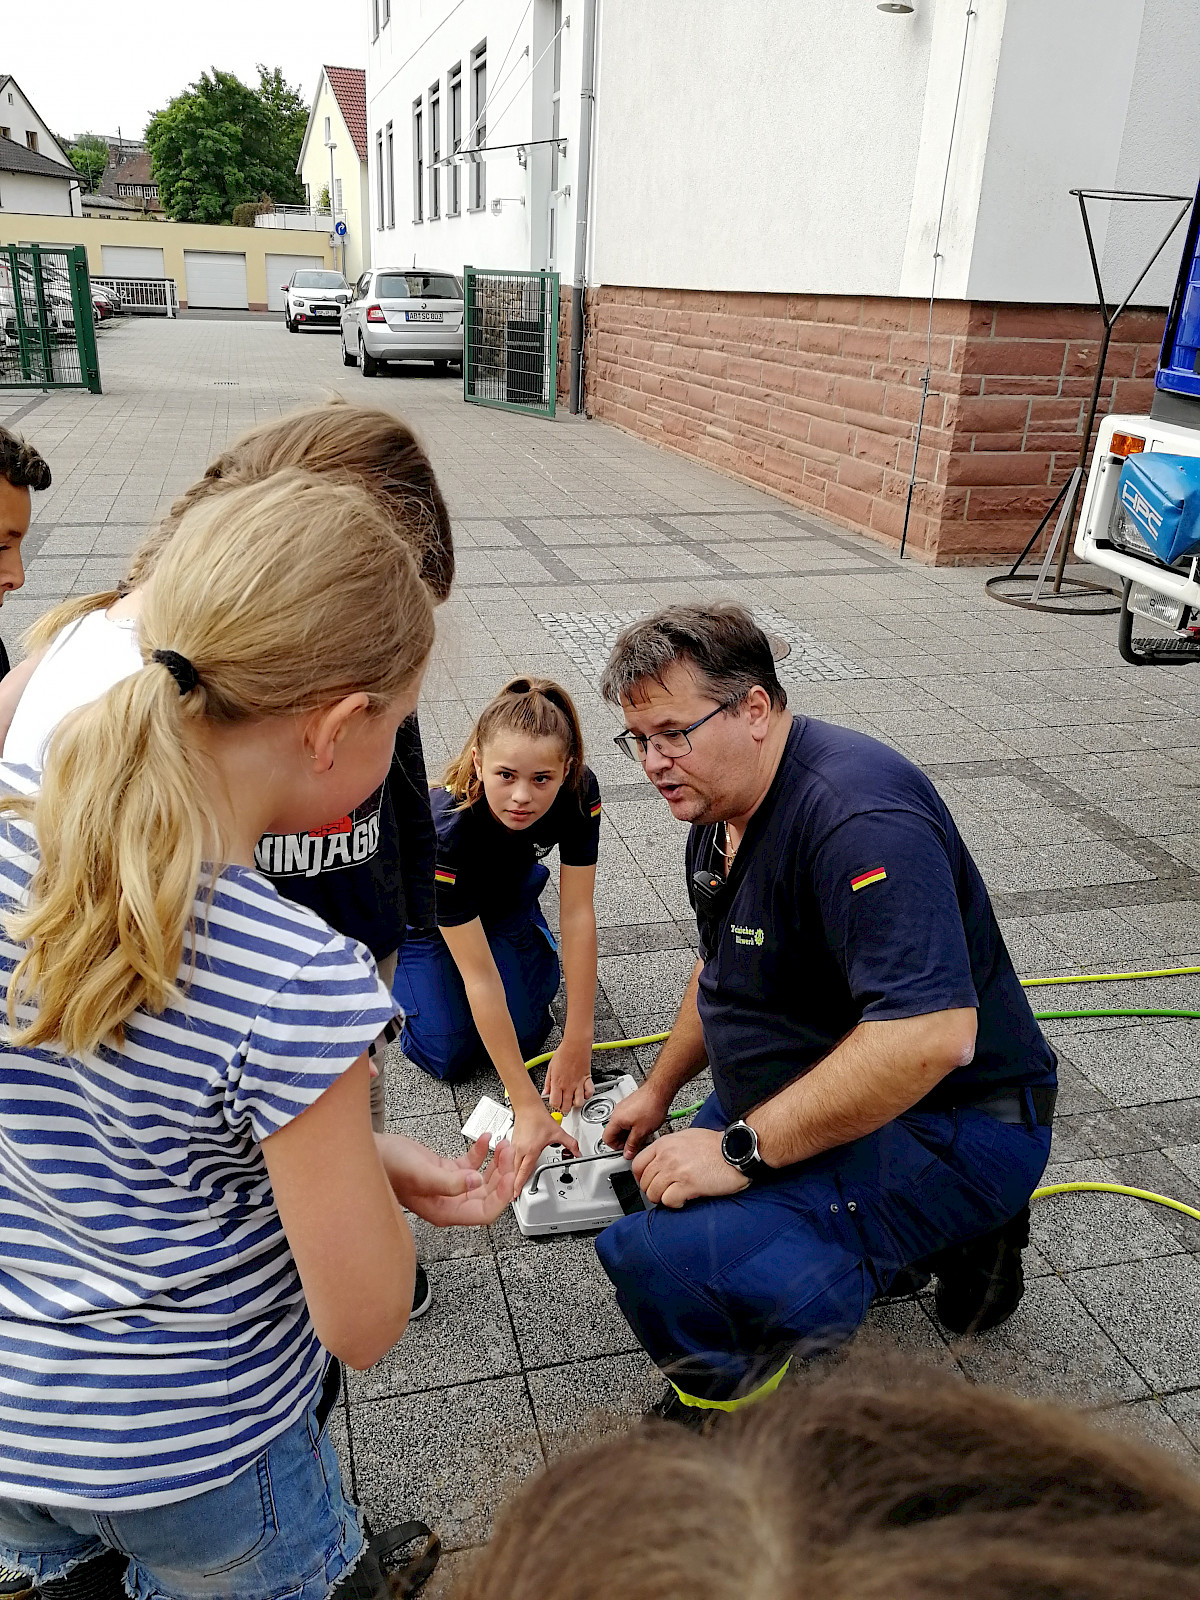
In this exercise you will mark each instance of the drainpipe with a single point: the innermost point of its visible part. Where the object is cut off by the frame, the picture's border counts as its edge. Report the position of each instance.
(587, 101)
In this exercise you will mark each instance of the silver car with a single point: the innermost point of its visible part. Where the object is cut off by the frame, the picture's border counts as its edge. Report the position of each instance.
(411, 314)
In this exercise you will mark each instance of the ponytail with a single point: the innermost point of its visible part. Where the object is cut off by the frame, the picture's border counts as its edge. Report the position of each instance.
(279, 599)
(537, 707)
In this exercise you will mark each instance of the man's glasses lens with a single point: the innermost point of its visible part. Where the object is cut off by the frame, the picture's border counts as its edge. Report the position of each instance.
(670, 743)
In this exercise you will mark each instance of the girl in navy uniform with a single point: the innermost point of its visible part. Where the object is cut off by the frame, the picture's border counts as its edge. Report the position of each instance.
(483, 983)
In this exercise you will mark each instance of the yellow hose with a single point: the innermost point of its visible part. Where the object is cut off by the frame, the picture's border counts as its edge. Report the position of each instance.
(1110, 977)
(1115, 1188)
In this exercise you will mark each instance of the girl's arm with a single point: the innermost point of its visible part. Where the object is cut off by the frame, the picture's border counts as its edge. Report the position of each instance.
(12, 687)
(569, 1075)
(534, 1128)
(352, 1246)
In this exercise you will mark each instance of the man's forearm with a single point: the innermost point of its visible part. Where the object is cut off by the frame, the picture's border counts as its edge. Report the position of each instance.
(683, 1054)
(877, 1072)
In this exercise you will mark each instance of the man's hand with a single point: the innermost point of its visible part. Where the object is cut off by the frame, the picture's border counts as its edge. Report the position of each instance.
(634, 1119)
(569, 1075)
(533, 1130)
(685, 1166)
(449, 1193)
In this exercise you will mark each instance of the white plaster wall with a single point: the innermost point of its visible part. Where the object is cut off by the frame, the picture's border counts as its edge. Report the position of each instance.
(767, 146)
(1089, 94)
(26, 192)
(18, 114)
(314, 171)
(417, 48)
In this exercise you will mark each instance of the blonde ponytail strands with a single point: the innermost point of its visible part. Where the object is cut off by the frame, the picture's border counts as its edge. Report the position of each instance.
(285, 596)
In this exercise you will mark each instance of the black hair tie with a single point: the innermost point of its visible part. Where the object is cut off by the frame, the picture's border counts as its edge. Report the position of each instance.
(180, 668)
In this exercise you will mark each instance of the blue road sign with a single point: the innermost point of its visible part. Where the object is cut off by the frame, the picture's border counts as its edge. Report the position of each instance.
(340, 229)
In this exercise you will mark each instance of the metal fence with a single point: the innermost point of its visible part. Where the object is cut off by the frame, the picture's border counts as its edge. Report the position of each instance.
(144, 296)
(47, 335)
(510, 339)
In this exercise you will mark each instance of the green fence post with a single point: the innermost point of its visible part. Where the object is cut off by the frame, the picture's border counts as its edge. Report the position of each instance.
(43, 314)
(85, 331)
(19, 311)
(468, 280)
(553, 385)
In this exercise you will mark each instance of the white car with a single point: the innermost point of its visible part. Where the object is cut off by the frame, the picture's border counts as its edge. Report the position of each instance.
(313, 298)
(403, 314)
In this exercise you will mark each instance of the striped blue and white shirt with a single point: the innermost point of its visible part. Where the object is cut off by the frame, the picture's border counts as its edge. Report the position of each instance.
(153, 1331)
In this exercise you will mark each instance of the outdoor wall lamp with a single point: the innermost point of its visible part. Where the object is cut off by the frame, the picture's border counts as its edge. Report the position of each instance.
(897, 8)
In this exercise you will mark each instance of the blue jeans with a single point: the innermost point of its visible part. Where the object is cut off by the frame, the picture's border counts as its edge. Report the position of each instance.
(439, 1032)
(718, 1293)
(281, 1530)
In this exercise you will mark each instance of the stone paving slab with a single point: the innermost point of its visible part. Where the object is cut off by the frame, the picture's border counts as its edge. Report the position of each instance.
(1074, 777)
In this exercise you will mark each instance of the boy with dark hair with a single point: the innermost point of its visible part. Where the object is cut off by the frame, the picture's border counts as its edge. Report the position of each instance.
(21, 469)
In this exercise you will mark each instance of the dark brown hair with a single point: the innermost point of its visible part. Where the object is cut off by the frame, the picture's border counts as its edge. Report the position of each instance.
(722, 643)
(894, 1487)
(538, 707)
(352, 444)
(21, 464)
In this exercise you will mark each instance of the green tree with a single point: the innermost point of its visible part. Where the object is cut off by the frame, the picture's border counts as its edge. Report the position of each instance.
(89, 157)
(221, 143)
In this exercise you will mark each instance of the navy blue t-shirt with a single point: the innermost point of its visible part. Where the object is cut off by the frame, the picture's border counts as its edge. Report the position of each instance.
(851, 898)
(492, 872)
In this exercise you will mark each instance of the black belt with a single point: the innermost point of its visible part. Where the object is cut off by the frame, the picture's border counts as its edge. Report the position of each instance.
(1006, 1104)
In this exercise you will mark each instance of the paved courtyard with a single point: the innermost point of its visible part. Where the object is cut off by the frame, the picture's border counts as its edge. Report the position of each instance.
(1074, 778)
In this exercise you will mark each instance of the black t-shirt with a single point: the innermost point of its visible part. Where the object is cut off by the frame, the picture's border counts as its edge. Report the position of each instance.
(370, 875)
(851, 898)
(485, 870)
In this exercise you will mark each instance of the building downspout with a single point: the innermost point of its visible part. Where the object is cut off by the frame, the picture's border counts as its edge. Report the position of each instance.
(587, 101)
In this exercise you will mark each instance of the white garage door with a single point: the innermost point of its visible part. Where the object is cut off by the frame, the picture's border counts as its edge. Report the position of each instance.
(215, 278)
(280, 269)
(132, 261)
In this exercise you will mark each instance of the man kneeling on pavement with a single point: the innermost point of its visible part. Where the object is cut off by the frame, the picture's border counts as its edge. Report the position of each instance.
(883, 1095)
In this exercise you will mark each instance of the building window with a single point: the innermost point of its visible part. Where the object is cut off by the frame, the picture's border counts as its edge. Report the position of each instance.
(435, 152)
(5, 133)
(151, 189)
(391, 177)
(478, 191)
(328, 136)
(454, 82)
(555, 123)
(379, 174)
(31, 139)
(374, 19)
(418, 165)
(387, 12)
(337, 189)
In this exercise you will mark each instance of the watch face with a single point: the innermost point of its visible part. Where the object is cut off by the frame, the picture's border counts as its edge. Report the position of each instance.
(739, 1143)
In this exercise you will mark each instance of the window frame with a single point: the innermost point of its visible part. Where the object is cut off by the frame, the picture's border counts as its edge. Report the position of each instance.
(477, 189)
(418, 154)
(454, 88)
(435, 152)
(389, 141)
(379, 176)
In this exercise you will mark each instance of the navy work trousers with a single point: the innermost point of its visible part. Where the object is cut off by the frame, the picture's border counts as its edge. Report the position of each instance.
(439, 1033)
(721, 1291)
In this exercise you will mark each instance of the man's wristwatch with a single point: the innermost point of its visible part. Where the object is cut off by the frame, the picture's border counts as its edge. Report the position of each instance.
(739, 1146)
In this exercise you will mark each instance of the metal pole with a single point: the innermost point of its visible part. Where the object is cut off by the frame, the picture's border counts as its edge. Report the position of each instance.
(587, 101)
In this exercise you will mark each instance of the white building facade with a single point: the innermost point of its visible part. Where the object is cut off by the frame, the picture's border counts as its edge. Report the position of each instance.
(776, 191)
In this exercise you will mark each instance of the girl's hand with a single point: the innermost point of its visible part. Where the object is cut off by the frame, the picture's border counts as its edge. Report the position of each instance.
(569, 1075)
(446, 1192)
(534, 1129)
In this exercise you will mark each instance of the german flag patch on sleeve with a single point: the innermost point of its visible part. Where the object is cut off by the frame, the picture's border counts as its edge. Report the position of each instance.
(865, 879)
(446, 875)
(595, 812)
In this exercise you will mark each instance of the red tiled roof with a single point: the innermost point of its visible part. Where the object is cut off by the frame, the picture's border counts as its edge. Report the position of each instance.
(349, 85)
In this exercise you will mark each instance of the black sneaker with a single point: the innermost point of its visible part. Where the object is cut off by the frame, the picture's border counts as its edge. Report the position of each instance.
(980, 1283)
(15, 1585)
(101, 1577)
(422, 1294)
(670, 1408)
(906, 1285)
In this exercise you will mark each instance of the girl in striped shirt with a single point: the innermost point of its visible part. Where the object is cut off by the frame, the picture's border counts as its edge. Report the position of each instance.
(196, 1212)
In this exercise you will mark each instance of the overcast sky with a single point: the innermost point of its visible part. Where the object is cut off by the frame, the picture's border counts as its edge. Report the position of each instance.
(91, 68)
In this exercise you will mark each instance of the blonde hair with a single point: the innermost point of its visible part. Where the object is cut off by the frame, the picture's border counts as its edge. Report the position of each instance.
(285, 597)
(354, 443)
(537, 707)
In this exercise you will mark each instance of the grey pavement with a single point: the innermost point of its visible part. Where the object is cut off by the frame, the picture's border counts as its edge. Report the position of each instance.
(1074, 778)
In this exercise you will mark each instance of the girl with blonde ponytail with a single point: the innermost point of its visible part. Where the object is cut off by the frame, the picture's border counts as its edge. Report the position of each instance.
(186, 1052)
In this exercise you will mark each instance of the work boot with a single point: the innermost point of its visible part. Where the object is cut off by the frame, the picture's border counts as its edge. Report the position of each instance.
(980, 1283)
(382, 1572)
(670, 1408)
(906, 1285)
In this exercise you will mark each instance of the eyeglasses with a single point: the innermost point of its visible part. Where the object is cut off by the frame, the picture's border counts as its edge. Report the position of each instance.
(671, 742)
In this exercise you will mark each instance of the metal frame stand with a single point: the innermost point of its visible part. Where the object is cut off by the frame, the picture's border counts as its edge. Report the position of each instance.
(1079, 595)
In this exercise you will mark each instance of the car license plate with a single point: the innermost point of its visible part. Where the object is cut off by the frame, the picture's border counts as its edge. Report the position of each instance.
(325, 311)
(422, 316)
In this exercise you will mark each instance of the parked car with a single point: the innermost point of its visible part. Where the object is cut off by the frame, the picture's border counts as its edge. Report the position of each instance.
(313, 299)
(56, 298)
(107, 303)
(403, 315)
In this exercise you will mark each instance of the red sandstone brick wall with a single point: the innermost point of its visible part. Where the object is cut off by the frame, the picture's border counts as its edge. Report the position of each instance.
(817, 398)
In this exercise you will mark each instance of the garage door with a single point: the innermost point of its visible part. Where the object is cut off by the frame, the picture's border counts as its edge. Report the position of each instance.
(132, 261)
(215, 278)
(280, 269)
